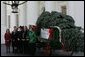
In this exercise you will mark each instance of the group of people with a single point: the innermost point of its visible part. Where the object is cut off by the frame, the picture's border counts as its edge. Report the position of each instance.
(22, 40)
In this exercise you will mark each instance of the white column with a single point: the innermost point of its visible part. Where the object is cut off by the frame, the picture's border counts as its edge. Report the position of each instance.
(9, 10)
(8, 21)
(32, 12)
(76, 10)
(3, 13)
(13, 21)
(50, 6)
(3, 22)
(22, 14)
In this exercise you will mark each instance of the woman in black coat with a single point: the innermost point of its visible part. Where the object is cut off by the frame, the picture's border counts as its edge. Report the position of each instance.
(26, 41)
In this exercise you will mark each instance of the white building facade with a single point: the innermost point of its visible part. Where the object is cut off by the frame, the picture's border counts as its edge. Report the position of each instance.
(31, 10)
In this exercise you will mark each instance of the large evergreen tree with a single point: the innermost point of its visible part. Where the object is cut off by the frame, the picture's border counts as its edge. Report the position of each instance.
(72, 37)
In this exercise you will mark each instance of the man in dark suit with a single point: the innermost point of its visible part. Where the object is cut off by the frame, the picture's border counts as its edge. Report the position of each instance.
(14, 39)
(20, 41)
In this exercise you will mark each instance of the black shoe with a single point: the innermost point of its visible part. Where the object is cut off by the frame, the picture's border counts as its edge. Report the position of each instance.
(8, 51)
(12, 51)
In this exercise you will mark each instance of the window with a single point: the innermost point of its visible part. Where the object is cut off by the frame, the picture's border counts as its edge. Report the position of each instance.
(63, 9)
(17, 20)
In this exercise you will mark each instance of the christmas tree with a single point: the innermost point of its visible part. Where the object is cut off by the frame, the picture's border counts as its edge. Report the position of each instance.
(72, 36)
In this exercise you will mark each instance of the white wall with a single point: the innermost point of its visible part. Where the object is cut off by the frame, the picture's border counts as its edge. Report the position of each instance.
(3, 30)
(3, 22)
(22, 15)
(76, 10)
(32, 12)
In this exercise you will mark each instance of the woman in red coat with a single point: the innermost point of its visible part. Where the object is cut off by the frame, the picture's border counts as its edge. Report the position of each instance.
(7, 37)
